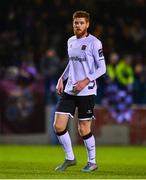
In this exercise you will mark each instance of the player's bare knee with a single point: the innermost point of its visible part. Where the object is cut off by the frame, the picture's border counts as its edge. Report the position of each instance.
(83, 129)
(58, 127)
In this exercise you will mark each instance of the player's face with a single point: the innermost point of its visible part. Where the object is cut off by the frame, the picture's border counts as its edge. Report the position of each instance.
(80, 26)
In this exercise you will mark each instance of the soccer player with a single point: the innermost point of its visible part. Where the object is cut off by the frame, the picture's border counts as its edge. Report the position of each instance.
(86, 64)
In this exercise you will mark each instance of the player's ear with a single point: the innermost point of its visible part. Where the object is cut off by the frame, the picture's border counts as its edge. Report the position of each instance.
(88, 24)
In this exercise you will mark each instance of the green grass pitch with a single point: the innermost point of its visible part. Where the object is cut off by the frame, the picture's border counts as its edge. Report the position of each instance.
(39, 162)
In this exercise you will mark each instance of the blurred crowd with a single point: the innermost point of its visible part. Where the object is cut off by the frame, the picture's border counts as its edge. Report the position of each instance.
(33, 35)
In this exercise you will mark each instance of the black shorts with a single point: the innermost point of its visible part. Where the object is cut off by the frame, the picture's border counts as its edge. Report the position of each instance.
(85, 104)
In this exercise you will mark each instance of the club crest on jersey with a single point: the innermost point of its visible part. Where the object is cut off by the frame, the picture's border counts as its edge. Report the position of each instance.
(83, 47)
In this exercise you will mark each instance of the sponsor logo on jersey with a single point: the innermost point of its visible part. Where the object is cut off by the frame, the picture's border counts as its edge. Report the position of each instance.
(76, 58)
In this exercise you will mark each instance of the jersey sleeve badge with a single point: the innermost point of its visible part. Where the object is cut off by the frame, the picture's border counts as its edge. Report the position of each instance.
(100, 52)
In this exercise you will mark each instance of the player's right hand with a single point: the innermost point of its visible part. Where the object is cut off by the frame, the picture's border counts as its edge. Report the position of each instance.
(59, 86)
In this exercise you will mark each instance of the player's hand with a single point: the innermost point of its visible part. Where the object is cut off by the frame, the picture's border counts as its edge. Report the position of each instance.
(81, 85)
(59, 86)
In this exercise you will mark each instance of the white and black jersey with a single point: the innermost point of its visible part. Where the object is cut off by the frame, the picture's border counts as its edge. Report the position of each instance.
(86, 60)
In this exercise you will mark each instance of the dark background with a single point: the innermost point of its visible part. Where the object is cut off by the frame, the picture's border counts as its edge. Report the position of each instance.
(33, 54)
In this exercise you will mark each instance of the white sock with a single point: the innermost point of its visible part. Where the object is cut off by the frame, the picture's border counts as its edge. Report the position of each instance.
(66, 143)
(90, 146)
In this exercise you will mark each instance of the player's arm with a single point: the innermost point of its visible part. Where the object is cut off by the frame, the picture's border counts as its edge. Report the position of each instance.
(65, 73)
(99, 61)
(64, 76)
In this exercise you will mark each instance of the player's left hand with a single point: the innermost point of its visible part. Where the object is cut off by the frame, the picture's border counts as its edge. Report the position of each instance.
(81, 85)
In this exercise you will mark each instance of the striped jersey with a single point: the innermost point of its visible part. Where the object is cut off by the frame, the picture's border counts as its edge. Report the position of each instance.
(86, 60)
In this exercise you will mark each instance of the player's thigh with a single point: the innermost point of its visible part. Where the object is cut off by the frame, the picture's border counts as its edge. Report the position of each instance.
(60, 121)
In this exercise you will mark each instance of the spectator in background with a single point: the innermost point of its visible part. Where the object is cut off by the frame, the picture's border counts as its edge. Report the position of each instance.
(17, 92)
(28, 70)
(118, 92)
(111, 87)
(139, 85)
(49, 67)
(125, 79)
(111, 67)
(124, 72)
